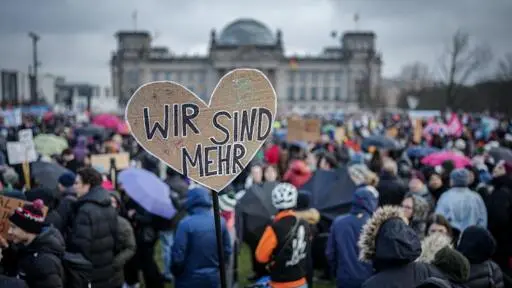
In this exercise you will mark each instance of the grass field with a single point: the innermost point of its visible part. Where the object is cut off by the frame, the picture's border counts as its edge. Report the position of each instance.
(244, 268)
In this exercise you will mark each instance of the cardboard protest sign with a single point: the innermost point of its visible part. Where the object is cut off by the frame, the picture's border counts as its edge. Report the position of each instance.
(211, 143)
(308, 130)
(418, 131)
(339, 135)
(7, 206)
(122, 160)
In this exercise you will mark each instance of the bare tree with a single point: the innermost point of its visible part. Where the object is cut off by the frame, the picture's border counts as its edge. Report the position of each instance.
(504, 72)
(415, 76)
(461, 61)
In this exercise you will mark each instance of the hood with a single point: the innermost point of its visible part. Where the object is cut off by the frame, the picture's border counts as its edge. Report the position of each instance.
(49, 240)
(299, 167)
(49, 196)
(198, 198)
(431, 245)
(477, 244)
(453, 264)
(501, 181)
(96, 195)
(365, 200)
(312, 216)
(117, 196)
(387, 240)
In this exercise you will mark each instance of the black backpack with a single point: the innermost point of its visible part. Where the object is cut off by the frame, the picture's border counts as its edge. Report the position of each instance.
(76, 270)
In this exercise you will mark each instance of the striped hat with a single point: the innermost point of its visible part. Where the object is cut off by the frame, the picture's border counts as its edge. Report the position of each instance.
(30, 217)
(227, 202)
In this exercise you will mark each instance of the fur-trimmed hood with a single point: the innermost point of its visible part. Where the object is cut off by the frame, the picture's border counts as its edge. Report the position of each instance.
(431, 245)
(386, 239)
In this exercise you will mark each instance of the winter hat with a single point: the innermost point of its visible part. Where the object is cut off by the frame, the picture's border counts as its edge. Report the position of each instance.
(453, 264)
(284, 196)
(459, 177)
(477, 244)
(30, 217)
(67, 179)
(227, 202)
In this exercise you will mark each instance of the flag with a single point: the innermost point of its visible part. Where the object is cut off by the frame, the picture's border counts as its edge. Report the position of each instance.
(455, 127)
(334, 34)
(356, 17)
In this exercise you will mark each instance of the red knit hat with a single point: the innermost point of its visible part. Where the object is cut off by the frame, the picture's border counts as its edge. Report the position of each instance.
(30, 217)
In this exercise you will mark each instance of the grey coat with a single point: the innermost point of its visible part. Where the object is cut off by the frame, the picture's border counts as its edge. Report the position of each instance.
(127, 248)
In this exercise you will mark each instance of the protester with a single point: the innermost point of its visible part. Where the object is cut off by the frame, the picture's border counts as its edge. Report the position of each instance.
(418, 187)
(342, 251)
(50, 199)
(478, 245)
(94, 227)
(194, 254)
(284, 244)
(391, 189)
(40, 247)
(461, 206)
(126, 240)
(431, 245)
(416, 209)
(312, 216)
(454, 266)
(439, 224)
(66, 199)
(392, 247)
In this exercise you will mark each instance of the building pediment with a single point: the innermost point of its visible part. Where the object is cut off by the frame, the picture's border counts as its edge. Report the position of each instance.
(246, 54)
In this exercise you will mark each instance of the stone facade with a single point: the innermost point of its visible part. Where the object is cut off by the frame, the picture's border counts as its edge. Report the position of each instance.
(342, 77)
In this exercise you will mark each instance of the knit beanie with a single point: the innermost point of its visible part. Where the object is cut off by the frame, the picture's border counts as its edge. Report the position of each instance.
(30, 217)
(67, 179)
(459, 177)
(453, 264)
(227, 202)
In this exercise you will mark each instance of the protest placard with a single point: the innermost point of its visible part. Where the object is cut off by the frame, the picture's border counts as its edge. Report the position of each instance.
(121, 160)
(308, 130)
(211, 142)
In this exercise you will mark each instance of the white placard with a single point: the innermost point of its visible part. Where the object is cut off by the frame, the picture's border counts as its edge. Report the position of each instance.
(17, 153)
(26, 136)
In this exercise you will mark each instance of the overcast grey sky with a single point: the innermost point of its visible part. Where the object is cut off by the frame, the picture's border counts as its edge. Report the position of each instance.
(77, 36)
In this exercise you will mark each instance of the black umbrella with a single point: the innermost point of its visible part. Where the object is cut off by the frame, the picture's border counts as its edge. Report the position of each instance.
(331, 192)
(255, 209)
(47, 174)
(382, 142)
(91, 131)
(501, 153)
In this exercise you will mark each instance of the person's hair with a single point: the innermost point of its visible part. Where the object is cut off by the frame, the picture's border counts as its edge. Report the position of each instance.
(440, 220)
(329, 158)
(67, 151)
(90, 176)
(390, 166)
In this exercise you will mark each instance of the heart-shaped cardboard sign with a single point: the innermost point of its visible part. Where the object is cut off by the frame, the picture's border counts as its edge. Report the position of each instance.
(210, 143)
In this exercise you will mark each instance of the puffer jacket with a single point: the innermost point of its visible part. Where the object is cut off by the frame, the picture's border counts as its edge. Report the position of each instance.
(39, 262)
(194, 254)
(342, 251)
(94, 234)
(392, 247)
(9, 282)
(478, 245)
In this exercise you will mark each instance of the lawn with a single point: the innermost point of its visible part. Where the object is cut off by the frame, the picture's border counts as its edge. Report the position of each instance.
(244, 268)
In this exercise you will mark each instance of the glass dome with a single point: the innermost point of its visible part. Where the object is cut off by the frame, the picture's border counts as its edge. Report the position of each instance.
(246, 32)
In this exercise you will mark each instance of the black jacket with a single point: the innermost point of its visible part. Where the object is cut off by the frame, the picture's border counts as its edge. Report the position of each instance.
(9, 282)
(391, 190)
(39, 263)
(392, 246)
(94, 233)
(65, 210)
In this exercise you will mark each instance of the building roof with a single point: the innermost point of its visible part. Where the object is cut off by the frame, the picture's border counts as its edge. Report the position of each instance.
(246, 32)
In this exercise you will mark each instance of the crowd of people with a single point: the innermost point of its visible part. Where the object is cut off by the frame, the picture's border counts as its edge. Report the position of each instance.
(377, 213)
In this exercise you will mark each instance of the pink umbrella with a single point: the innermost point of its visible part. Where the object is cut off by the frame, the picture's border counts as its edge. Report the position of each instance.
(107, 121)
(123, 129)
(438, 158)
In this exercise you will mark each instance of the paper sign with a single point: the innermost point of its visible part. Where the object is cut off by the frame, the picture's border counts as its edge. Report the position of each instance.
(418, 131)
(392, 132)
(308, 130)
(7, 206)
(17, 153)
(339, 134)
(122, 161)
(211, 143)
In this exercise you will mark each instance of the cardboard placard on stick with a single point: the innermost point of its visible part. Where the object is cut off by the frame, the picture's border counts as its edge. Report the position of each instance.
(122, 160)
(308, 130)
(7, 206)
(211, 143)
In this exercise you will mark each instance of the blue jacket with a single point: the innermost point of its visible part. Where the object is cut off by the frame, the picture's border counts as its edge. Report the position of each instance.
(342, 251)
(462, 208)
(194, 253)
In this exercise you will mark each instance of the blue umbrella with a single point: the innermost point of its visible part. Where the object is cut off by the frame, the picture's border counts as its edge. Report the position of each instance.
(420, 151)
(148, 191)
